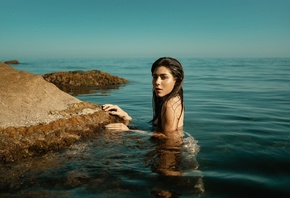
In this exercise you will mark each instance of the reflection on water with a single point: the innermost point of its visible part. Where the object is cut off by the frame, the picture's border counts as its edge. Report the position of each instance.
(95, 90)
(113, 164)
(174, 159)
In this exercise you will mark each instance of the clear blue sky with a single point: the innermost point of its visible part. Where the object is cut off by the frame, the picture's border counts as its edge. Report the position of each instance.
(144, 28)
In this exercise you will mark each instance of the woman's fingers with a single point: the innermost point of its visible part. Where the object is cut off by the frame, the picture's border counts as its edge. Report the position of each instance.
(114, 113)
(106, 106)
(114, 109)
(109, 107)
(117, 111)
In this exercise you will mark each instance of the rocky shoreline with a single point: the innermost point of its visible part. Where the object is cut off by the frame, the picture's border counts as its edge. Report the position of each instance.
(79, 121)
(37, 117)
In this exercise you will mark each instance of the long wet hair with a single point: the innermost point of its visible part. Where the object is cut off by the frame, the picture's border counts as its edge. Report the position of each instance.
(176, 70)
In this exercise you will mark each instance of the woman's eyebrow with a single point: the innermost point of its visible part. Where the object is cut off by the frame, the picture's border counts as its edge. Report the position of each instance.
(162, 74)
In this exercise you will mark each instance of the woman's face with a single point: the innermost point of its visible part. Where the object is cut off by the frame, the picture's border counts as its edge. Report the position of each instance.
(162, 81)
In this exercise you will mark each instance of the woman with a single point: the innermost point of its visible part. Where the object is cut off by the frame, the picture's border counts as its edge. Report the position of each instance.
(168, 107)
(168, 116)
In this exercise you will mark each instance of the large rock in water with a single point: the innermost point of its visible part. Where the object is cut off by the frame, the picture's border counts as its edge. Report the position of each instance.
(37, 117)
(82, 81)
(11, 62)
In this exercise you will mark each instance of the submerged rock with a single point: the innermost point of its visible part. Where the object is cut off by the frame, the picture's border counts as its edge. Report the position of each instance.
(73, 81)
(37, 117)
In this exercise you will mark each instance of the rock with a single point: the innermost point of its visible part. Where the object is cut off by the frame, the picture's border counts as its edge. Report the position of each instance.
(37, 117)
(11, 62)
(27, 98)
(73, 81)
(17, 143)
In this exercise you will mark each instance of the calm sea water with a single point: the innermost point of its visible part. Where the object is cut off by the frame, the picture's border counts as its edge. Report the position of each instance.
(237, 112)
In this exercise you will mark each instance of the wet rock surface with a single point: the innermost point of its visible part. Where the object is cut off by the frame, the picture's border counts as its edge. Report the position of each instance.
(37, 117)
(80, 120)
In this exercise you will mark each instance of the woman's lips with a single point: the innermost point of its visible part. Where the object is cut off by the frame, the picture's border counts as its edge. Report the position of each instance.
(158, 89)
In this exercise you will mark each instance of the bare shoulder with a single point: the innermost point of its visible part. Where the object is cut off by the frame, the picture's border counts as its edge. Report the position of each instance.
(173, 103)
(173, 114)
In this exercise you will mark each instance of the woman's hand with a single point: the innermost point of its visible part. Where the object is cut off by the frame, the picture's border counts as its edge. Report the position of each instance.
(117, 111)
(120, 127)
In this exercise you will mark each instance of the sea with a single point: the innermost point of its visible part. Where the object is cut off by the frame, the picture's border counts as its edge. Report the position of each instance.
(236, 135)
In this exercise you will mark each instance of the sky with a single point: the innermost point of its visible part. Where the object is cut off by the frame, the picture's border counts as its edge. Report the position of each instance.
(144, 28)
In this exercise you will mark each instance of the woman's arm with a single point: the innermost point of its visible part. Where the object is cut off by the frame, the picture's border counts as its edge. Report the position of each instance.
(117, 111)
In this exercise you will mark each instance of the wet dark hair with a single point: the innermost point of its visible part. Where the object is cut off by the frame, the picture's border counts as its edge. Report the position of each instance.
(176, 70)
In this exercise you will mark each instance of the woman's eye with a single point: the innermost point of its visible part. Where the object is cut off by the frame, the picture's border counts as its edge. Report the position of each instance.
(164, 77)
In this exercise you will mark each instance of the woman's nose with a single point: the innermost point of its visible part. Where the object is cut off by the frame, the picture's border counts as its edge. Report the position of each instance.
(158, 80)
